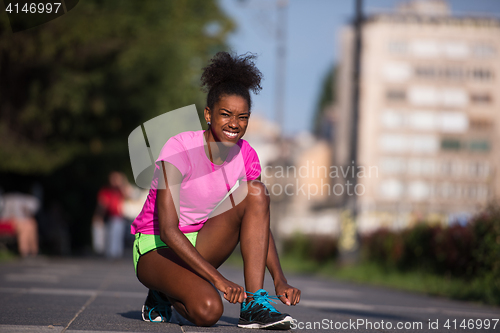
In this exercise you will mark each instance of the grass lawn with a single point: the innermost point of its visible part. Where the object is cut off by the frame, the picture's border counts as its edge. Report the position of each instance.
(6, 255)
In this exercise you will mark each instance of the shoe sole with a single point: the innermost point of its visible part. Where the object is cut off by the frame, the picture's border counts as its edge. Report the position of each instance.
(156, 320)
(283, 324)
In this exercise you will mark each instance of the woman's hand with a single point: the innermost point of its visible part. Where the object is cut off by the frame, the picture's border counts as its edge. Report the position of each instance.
(289, 295)
(233, 293)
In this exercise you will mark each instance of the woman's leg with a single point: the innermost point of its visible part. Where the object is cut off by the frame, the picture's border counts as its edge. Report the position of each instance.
(27, 236)
(194, 297)
(247, 222)
(191, 295)
(116, 236)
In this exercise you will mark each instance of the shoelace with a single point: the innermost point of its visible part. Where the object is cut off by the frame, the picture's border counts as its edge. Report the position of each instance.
(159, 312)
(264, 299)
(161, 306)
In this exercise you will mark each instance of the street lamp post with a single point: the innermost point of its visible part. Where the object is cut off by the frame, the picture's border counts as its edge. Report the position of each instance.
(349, 243)
(280, 62)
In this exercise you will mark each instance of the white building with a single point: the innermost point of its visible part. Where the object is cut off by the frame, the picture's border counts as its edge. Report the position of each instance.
(429, 114)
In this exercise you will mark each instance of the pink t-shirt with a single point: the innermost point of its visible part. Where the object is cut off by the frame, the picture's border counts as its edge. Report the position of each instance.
(204, 184)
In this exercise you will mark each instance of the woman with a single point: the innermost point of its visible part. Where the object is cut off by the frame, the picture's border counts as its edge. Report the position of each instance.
(192, 221)
(20, 209)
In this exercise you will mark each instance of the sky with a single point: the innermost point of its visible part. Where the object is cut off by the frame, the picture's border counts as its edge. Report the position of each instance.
(312, 30)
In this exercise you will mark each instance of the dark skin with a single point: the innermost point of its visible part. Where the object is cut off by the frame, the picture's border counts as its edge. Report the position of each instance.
(187, 275)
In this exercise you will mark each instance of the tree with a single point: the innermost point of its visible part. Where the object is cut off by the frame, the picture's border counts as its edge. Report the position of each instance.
(74, 88)
(326, 99)
(80, 83)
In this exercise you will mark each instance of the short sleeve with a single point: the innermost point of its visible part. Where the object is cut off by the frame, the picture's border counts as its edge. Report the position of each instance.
(252, 163)
(102, 197)
(176, 154)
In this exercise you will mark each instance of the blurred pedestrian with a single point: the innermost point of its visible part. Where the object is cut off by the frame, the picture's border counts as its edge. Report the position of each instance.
(108, 223)
(20, 209)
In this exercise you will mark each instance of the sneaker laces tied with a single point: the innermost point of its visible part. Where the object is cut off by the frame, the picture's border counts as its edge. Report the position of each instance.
(158, 308)
(263, 298)
(162, 306)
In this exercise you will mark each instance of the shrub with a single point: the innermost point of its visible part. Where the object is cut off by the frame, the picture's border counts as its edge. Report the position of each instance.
(318, 248)
(417, 247)
(452, 249)
(382, 246)
(471, 252)
(486, 252)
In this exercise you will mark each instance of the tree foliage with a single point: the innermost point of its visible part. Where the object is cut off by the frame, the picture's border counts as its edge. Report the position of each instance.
(326, 99)
(78, 85)
(73, 89)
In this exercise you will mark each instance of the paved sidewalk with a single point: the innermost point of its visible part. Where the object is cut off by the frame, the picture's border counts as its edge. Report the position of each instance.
(95, 295)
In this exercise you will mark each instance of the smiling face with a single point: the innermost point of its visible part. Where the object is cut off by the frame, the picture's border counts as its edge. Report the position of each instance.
(228, 118)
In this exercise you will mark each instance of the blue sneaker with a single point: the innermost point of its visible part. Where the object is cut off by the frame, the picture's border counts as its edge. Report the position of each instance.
(259, 313)
(156, 308)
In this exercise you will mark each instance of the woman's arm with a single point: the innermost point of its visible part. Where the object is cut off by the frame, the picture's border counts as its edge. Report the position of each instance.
(168, 220)
(290, 295)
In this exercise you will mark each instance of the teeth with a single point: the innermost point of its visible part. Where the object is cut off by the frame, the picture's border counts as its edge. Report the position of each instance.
(231, 135)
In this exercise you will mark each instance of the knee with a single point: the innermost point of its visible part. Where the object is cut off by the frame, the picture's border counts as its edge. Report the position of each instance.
(257, 192)
(208, 311)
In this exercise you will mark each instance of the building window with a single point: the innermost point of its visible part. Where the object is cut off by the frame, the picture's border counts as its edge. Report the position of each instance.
(424, 144)
(394, 143)
(459, 191)
(454, 97)
(453, 73)
(399, 143)
(445, 168)
(450, 144)
(422, 120)
(421, 166)
(482, 192)
(474, 169)
(453, 122)
(471, 191)
(434, 190)
(423, 96)
(456, 50)
(479, 145)
(394, 95)
(479, 169)
(483, 50)
(392, 188)
(392, 166)
(396, 71)
(448, 190)
(425, 72)
(456, 168)
(482, 74)
(425, 48)
(428, 95)
(428, 167)
(398, 47)
(418, 190)
(481, 124)
(481, 98)
(392, 119)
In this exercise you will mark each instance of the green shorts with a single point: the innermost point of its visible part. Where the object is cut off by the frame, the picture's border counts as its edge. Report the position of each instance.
(146, 243)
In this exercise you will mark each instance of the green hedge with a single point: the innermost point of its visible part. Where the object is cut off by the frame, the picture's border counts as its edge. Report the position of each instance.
(471, 252)
(317, 248)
